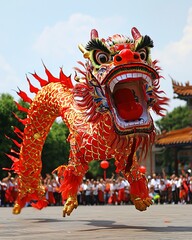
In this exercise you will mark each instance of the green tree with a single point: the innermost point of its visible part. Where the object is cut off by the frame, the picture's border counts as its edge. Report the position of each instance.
(56, 148)
(7, 121)
(180, 117)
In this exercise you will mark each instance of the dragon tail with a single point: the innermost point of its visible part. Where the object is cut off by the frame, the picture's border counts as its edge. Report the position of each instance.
(42, 112)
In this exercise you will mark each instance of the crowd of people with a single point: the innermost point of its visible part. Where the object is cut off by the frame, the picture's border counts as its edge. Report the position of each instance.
(115, 191)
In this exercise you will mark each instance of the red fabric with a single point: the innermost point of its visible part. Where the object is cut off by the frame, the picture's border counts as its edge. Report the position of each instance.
(139, 188)
(110, 200)
(70, 184)
(101, 196)
(185, 186)
(40, 204)
(107, 187)
(121, 195)
(114, 197)
(182, 194)
(9, 195)
(51, 198)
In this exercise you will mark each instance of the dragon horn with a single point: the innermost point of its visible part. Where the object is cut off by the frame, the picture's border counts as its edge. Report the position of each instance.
(135, 33)
(94, 34)
(84, 51)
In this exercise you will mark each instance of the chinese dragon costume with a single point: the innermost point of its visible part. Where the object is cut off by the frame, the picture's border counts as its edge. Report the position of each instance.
(106, 111)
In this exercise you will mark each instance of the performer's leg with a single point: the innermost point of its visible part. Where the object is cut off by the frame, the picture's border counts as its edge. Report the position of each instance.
(30, 188)
(71, 178)
(138, 185)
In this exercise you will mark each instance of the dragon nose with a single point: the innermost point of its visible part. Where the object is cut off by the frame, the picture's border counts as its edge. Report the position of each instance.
(126, 56)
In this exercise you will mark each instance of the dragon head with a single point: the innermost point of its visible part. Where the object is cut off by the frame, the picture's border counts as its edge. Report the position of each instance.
(125, 79)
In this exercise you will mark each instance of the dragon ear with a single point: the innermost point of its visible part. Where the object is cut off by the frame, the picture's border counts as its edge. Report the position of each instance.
(136, 34)
(94, 34)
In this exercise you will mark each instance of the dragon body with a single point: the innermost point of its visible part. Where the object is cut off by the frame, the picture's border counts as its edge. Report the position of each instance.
(106, 111)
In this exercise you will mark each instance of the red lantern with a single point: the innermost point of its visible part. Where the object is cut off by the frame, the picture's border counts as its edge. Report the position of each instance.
(142, 169)
(104, 164)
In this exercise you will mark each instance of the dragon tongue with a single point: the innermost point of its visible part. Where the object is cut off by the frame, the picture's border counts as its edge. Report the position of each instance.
(128, 109)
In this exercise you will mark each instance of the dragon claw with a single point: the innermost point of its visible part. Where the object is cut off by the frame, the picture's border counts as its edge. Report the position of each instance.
(16, 209)
(147, 201)
(142, 204)
(70, 204)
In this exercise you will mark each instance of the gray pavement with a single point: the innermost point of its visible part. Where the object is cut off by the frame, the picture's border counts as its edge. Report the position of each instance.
(163, 222)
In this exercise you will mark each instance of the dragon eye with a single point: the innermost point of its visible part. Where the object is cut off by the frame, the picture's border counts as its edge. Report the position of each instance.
(101, 57)
(143, 54)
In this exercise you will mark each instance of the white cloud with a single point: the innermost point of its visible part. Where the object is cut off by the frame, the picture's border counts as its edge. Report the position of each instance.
(177, 56)
(176, 62)
(62, 39)
(58, 40)
(57, 45)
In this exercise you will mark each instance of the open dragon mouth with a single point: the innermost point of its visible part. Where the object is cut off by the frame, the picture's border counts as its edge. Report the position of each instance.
(129, 97)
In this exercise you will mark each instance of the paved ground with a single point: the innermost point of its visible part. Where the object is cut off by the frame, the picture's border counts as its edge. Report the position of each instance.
(163, 222)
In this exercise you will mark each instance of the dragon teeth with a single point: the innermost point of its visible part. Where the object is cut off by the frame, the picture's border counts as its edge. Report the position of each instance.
(124, 124)
(119, 78)
(112, 85)
(129, 76)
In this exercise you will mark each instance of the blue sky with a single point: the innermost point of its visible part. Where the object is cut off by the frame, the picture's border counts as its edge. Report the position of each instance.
(32, 31)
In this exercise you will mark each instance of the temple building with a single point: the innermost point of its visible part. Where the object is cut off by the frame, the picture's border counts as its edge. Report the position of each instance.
(179, 141)
(183, 92)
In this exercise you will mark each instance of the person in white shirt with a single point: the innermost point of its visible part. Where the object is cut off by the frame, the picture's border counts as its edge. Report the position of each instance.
(121, 190)
(155, 181)
(113, 192)
(163, 191)
(95, 192)
(88, 192)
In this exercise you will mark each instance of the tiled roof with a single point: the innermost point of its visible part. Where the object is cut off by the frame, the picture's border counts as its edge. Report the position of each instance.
(182, 90)
(175, 137)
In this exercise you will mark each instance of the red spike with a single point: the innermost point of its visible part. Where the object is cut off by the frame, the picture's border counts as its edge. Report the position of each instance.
(23, 121)
(13, 151)
(21, 108)
(7, 169)
(31, 87)
(15, 165)
(18, 132)
(14, 159)
(65, 80)
(14, 141)
(40, 80)
(24, 96)
(51, 78)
